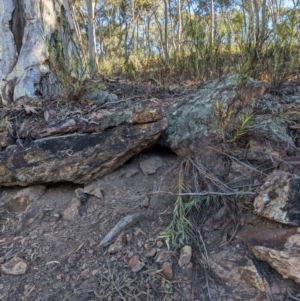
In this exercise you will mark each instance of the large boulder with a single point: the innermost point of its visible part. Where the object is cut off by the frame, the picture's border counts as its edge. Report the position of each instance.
(195, 122)
(95, 151)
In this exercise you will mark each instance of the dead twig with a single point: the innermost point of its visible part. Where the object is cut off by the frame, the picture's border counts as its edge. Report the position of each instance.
(206, 193)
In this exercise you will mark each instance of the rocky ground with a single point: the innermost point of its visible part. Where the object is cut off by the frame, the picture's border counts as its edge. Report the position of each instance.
(107, 240)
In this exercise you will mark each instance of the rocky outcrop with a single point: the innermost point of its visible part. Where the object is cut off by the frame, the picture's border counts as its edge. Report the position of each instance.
(82, 157)
(278, 198)
(217, 107)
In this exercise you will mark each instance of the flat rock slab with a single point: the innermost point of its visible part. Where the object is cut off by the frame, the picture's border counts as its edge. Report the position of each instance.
(77, 158)
(278, 198)
(279, 248)
(239, 275)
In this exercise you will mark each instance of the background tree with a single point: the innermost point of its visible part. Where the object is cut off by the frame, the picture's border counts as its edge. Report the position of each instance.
(38, 46)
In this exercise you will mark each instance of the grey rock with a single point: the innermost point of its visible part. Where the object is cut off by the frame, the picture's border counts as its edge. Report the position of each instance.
(151, 165)
(278, 198)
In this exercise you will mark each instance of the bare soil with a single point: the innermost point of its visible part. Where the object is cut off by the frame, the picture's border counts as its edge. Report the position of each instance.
(64, 259)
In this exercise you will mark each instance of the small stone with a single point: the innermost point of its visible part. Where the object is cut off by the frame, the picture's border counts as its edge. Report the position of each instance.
(81, 195)
(15, 266)
(95, 272)
(145, 203)
(71, 212)
(185, 256)
(167, 270)
(159, 244)
(151, 165)
(94, 190)
(135, 264)
(150, 253)
(117, 245)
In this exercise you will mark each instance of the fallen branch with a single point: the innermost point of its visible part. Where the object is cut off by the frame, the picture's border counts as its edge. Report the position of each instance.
(120, 226)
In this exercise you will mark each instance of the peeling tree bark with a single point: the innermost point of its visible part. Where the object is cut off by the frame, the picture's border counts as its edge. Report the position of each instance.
(27, 29)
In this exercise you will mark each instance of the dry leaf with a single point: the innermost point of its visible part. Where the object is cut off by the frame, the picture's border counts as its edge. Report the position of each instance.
(29, 109)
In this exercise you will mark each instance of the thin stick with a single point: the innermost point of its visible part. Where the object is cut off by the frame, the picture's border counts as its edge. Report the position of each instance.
(204, 193)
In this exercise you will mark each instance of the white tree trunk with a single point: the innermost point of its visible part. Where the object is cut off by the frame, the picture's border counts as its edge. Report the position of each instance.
(27, 29)
(92, 37)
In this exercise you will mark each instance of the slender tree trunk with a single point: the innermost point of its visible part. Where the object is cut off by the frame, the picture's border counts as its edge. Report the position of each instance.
(166, 45)
(179, 25)
(93, 65)
(212, 24)
(257, 25)
(263, 18)
(30, 31)
(251, 19)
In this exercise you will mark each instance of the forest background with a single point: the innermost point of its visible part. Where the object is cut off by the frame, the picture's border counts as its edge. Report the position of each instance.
(193, 39)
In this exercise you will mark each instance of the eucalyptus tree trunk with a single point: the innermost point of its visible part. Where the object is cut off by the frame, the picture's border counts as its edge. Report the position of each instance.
(179, 25)
(166, 45)
(93, 65)
(37, 38)
(257, 25)
(263, 18)
(212, 25)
